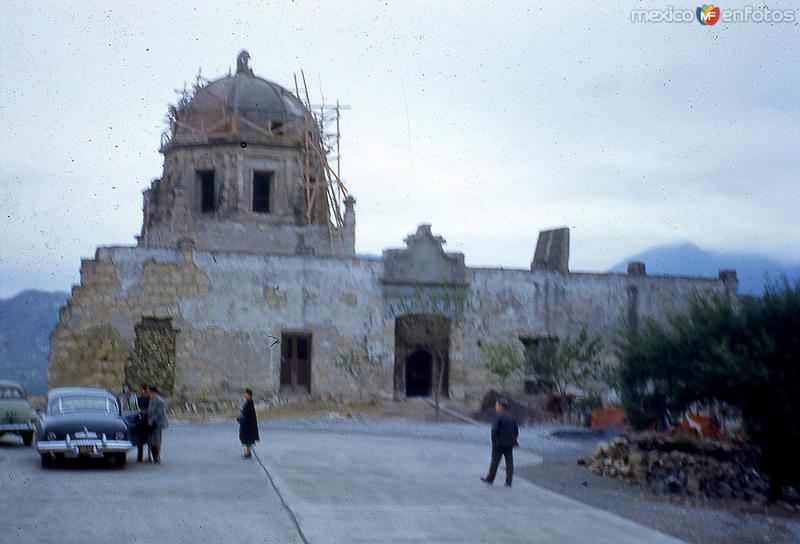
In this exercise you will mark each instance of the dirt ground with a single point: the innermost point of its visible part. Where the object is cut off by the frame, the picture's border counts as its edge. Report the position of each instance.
(707, 522)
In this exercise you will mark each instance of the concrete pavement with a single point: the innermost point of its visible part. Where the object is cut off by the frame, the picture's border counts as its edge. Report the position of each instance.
(364, 488)
(201, 493)
(340, 487)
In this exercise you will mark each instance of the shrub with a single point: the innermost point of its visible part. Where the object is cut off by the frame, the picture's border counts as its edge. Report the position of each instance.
(573, 362)
(745, 354)
(503, 360)
(590, 401)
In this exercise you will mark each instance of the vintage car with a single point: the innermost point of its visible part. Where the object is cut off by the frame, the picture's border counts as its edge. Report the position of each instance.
(16, 415)
(83, 422)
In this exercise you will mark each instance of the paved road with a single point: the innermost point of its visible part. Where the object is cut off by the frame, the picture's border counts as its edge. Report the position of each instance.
(338, 487)
(202, 492)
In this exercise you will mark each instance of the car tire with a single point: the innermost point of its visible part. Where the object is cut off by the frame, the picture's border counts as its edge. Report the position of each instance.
(120, 459)
(27, 438)
(47, 460)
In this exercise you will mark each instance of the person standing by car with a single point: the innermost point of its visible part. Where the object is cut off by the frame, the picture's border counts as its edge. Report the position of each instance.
(248, 424)
(142, 401)
(157, 422)
(504, 439)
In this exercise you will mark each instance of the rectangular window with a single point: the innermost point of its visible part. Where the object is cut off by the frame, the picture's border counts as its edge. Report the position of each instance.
(208, 202)
(296, 362)
(261, 185)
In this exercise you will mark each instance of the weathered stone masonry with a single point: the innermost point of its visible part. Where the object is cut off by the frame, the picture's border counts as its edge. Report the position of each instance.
(240, 276)
(229, 308)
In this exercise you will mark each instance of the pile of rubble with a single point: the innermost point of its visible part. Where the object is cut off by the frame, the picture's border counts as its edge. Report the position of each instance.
(709, 468)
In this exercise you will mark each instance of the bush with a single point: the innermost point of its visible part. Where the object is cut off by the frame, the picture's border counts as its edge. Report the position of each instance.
(745, 354)
(503, 360)
(590, 401)
(574, 362)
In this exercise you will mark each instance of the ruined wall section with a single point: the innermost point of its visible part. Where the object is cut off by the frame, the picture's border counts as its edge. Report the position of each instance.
(336, 301)
(172, 205)
(509, 305)
(228, 310)
(94, 340)
(86, 348)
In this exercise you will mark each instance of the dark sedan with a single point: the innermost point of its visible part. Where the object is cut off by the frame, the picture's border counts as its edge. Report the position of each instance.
(83, 422)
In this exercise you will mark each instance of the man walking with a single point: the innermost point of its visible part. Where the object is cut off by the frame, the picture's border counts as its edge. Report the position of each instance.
(157, 421)
(504, 439)
(143, 402)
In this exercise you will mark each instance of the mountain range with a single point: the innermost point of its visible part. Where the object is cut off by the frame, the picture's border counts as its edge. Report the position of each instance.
(687, 259)
(25, 324)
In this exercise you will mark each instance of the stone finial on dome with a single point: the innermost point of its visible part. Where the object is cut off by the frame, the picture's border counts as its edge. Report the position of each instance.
(243, 63)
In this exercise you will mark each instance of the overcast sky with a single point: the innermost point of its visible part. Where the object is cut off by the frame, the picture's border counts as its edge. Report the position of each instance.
(489, 120)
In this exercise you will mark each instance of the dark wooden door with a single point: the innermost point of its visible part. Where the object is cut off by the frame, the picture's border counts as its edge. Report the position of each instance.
(296, 362)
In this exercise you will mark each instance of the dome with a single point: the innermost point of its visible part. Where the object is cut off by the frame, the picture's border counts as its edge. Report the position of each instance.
(239, 106)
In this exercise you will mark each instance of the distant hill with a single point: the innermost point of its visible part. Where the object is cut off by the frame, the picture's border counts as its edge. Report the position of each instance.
(25, 324)
(690, 260)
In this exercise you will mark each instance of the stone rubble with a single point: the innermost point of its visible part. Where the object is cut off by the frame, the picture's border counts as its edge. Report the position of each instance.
(708, 469)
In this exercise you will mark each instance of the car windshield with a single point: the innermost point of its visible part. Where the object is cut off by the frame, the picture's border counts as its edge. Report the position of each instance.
(10, 393)
(83, 404)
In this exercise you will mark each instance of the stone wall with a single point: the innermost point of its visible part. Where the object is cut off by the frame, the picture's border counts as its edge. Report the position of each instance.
(510, 305)
(230, 309)
(172, 208)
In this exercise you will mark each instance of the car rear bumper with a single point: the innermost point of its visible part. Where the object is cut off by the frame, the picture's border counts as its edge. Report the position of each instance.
(83, 447)
(16, 427)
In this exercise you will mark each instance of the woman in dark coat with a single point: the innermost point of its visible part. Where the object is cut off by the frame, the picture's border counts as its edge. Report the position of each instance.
(248, 424)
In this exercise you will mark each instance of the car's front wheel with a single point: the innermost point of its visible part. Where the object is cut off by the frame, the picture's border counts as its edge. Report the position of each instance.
(119, 459)
(47, 460)
(27, 438)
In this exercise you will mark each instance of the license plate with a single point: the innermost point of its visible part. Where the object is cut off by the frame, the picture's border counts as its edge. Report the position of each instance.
(85, 449)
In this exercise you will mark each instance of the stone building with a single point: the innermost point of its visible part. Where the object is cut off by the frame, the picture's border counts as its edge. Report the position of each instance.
(245, 275)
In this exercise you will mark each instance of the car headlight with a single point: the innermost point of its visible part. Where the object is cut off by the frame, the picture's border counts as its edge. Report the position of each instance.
(120, 436)
(51, 436)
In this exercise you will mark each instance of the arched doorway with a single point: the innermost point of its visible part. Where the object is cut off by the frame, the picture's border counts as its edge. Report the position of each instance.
(421, 355)
(419, 373)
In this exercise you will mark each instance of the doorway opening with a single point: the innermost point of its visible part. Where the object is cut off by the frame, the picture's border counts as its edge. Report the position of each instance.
(422, 343)
(419, 374)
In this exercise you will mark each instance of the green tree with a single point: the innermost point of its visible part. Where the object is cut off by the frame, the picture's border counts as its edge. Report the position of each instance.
(503, 360)
(745, 354)
(572, 362)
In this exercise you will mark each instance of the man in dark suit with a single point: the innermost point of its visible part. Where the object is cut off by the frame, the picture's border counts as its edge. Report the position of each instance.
(504, 439)
(142, 401)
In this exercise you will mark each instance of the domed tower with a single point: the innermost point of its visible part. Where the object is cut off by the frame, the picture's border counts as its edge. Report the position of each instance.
(246, 169)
